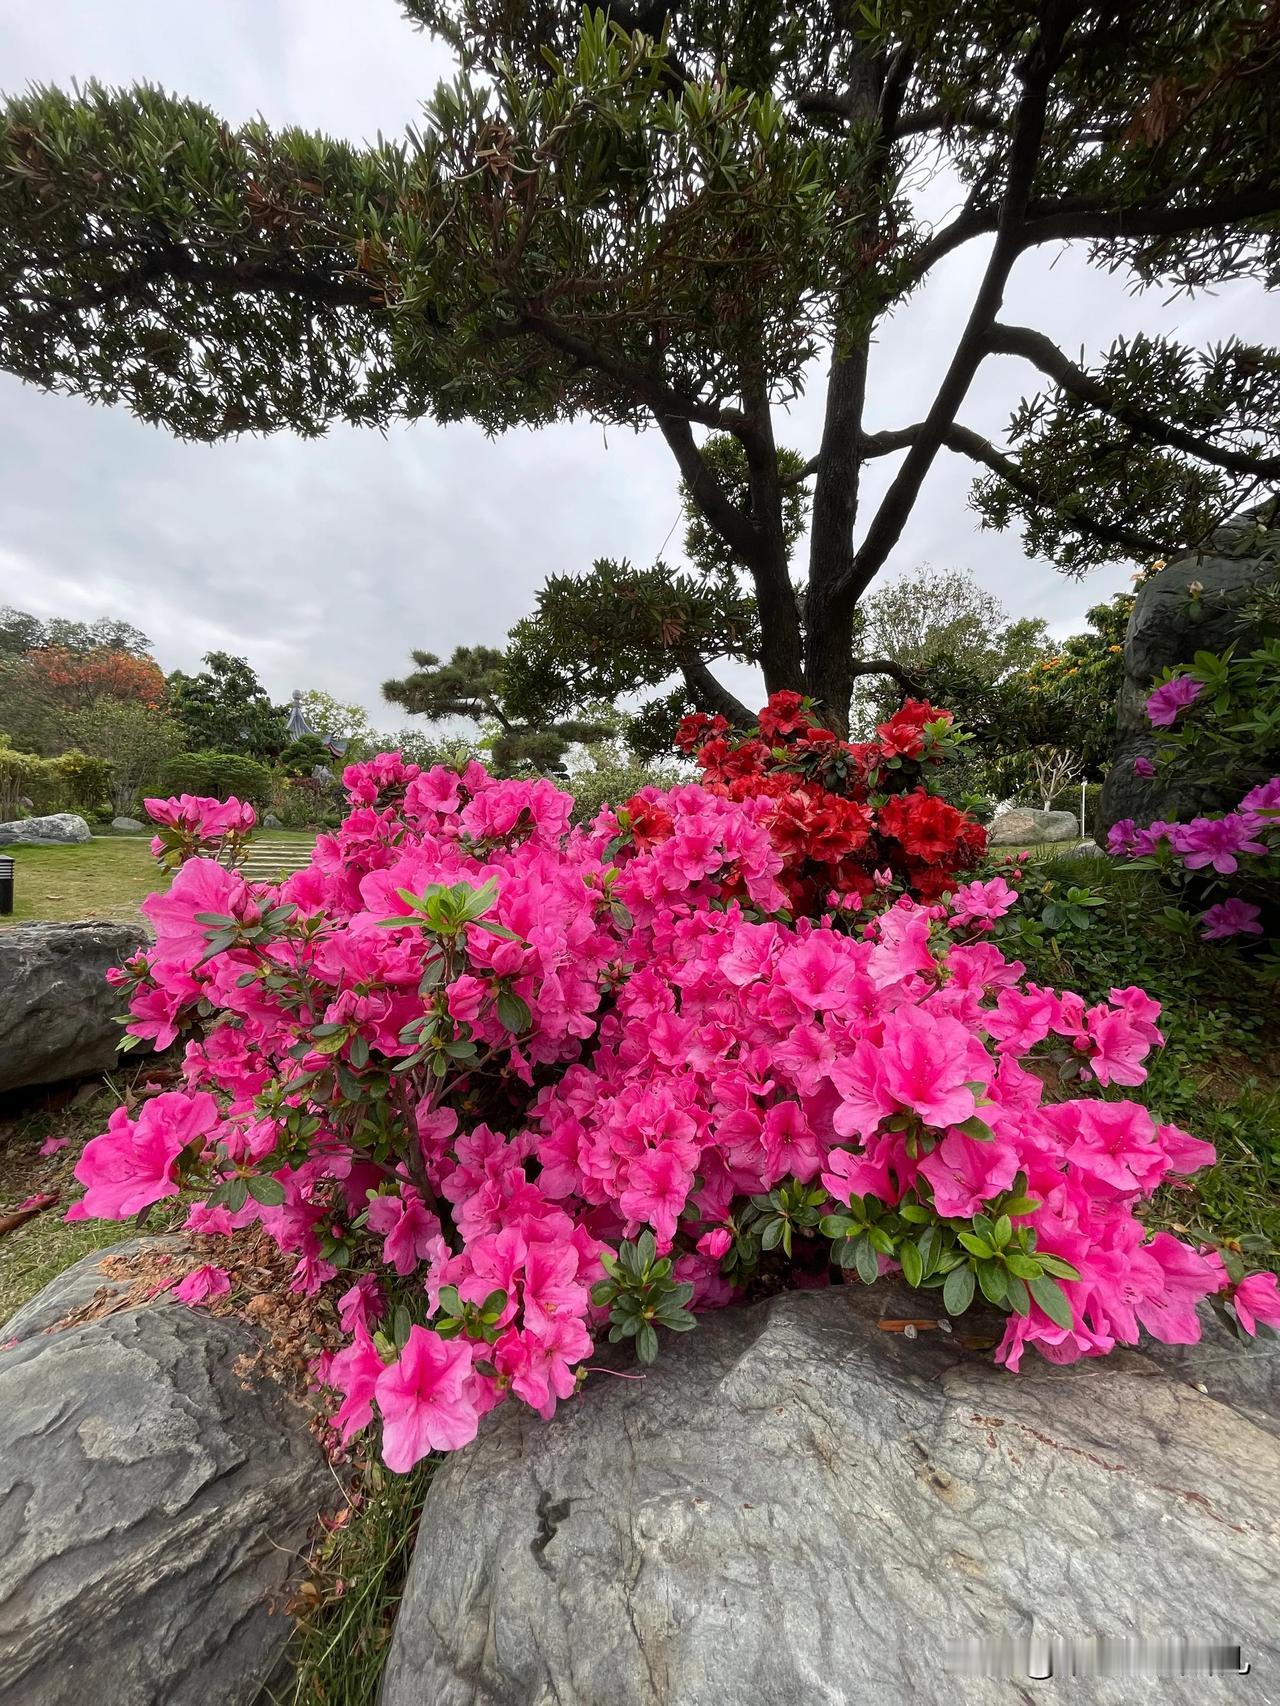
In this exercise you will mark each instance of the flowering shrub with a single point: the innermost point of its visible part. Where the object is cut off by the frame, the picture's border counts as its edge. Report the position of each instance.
(846, 817)
(1220, 724)
(501, 1087)
(1241, 846)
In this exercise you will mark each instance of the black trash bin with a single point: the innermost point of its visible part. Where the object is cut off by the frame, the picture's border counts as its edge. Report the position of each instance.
(6, 887)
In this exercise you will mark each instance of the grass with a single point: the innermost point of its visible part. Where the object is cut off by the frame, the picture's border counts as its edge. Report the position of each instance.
(108, 877)
(346, 1605)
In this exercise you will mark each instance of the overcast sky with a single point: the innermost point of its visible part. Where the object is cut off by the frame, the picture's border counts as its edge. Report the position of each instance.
(325, 562)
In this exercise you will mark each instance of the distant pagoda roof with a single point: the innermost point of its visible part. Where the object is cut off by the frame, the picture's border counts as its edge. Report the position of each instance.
(299, 728)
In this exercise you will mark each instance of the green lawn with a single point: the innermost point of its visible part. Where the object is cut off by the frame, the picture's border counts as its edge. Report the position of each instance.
(104, 878)
(107, 877)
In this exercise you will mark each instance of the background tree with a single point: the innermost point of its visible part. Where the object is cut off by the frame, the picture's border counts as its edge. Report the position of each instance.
(225, 708)
(662, 220)
(21, 632)
(338, 720)
(135, 739)
(1068, 699)
(953, 641)
(52, 669)
(473, 684)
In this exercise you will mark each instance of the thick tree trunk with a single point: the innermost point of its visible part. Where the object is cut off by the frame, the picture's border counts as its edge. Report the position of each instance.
(781, 646)
(829, 602)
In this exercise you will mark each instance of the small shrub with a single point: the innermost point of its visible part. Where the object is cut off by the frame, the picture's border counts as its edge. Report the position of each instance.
(217, 775)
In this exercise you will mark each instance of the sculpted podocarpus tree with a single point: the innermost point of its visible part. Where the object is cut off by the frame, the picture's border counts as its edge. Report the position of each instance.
(671, 219)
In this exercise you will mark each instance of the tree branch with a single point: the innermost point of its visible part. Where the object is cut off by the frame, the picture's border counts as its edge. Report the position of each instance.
(1065, 221)
(966, 442)
(1024, 150)
(711, 696)
(1043, 353)
(646, 387)
(732, 524)
(910, 684)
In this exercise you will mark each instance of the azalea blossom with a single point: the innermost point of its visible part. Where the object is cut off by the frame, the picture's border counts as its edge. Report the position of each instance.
(644, 1028)
(1171, 698)
(423, 1400)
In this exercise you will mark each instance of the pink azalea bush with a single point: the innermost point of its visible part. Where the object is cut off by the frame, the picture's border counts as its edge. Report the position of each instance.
(500, 1087)
(1242, 845)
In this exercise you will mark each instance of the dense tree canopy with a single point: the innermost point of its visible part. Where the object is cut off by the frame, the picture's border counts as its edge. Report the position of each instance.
(225, 708)
(953, 640)
(473, 684)
(660, 218)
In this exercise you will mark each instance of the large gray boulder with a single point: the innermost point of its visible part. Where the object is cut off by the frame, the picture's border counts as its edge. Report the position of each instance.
(154, 1500)
(1195, 604)
(797, 1506)
(57, 1012)
(128, 825)
(1024, 826)
(65, 827)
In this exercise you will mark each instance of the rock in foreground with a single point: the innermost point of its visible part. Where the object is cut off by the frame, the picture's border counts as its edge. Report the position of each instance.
(796, 1506)
(57, 1012)
(62, 827)
(153, 1501)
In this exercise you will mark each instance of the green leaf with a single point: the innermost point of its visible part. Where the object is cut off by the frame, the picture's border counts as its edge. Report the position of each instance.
(929, 1245)
(237, 1195)
(266, 1190)
(647, 1343)
(866, 1261)
(991, 1280)
(912, 1266)
(513, 1012)
(976, 1246)
(835, 1225)
(1056, 1265)
(450, 1300)
(957, 1293)
(1016, 1295)
(976, 1128)
(1052, 1299)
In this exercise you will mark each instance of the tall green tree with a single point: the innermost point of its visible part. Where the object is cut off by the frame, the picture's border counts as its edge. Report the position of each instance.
(225, 708)
(953, 641)
(473, 684)
(133, 739)
(664, 217)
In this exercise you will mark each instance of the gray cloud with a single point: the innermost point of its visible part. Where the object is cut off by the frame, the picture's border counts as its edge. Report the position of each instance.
(324, 562)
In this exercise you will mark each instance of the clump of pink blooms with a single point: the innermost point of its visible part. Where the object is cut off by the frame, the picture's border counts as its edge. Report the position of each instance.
(500, 1086)
(191, 824)
(1238, 844)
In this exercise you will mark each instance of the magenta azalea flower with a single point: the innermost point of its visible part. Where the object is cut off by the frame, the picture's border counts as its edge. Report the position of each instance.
(1142, 766)
(423, 1399)
(1172, 697)
(133, 1165)
(1260, 808)
(1230, 918)
(1216, 842)
(1257, 1298)
(201, 1284)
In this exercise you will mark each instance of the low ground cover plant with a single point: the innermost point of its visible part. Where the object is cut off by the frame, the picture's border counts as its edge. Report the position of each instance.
(503, 1087)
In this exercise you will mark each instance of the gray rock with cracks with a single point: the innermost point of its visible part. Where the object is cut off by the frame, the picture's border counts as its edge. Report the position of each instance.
(797, 1506)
